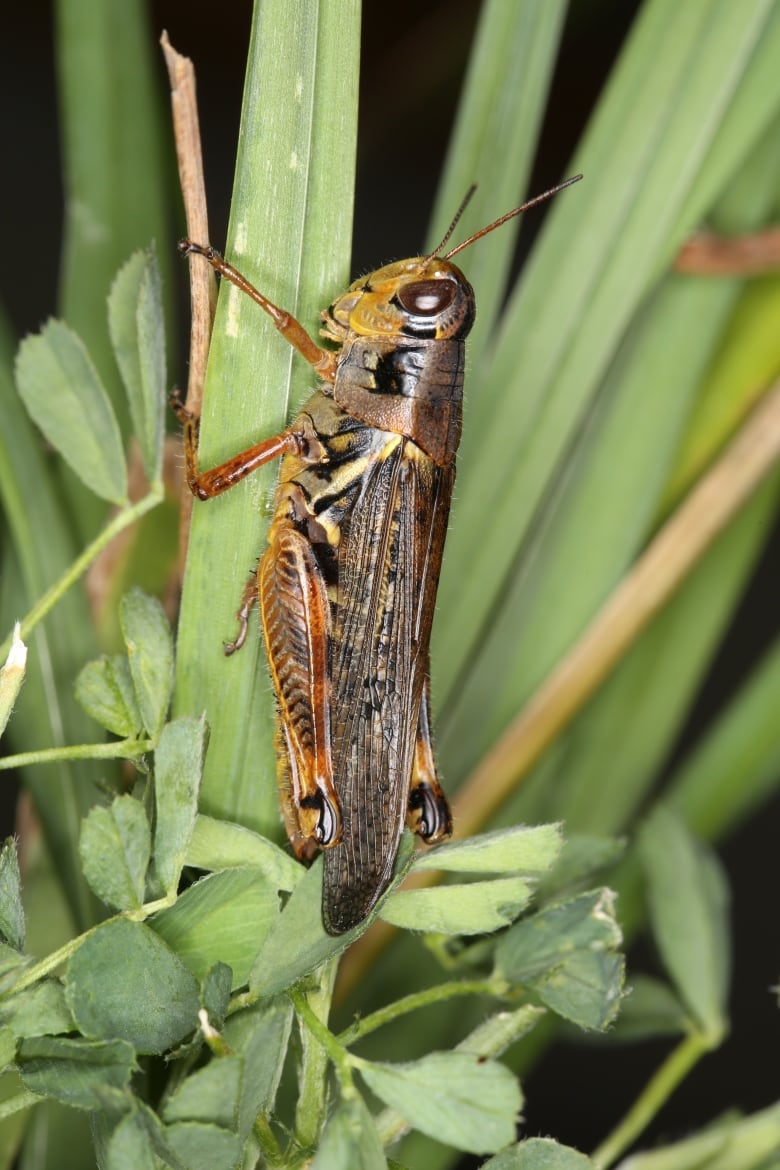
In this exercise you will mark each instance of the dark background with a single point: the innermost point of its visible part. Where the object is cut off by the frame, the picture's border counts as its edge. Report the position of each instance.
(413, 61)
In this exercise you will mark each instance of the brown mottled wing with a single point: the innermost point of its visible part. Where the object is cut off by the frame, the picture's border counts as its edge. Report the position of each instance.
(388, 569)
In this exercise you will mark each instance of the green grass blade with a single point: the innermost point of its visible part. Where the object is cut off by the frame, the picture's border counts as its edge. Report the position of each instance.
(596, 775)
(604, 505)
(52, 1129)
(577, 563)
(113, 143)
(736, 765)
(612, 753)
(494, 141)
(599, 516)
(748, 359)
(726, 777)
(46, 715)
(290, 232)
(604, 245)
(114, 134)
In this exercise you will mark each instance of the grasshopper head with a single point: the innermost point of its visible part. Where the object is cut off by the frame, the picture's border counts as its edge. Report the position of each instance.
(424, 297)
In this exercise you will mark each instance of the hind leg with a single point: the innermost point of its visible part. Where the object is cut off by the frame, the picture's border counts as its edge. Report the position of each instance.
(296, 624)
(429, 811)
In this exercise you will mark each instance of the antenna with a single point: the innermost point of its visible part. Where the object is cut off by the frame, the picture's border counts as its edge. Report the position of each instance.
(498, 222)
(463, 205)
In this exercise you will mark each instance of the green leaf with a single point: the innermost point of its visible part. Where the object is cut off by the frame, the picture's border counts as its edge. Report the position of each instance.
(137, 335)
(649, 1009)
(124, 981)
(298, 944)
(225, 916)
(104, 688)
(11, 908)
(116, 1103)
(222, 845)
(498, 1032)
(12, 963)
(565, 954)
(40, 546)
(37, 1011)
(688, 898)
(350, 1140)
(516, 850)
(130, 1147)
(7, 1048)
(204, 1147)
(539, 1154)
(454, 1097)
(731, 1143)
(66, 399)
(475, 908)
(537, 943)
(215, 992)
(74, 1071)
(210, 1094)
(115, 846)
(147, 636)
(582, 857)
(586, 988)
(178, 766)
(138, 1136)
(255, 1033)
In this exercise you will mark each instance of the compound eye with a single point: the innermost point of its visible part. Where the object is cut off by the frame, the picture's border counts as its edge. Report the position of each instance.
(427, 298)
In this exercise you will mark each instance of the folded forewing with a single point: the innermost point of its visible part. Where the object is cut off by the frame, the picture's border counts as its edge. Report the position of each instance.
(388, 566)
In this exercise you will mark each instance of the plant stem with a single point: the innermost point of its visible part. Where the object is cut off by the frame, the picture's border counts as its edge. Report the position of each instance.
(150, 908)
(124, 749)
(46, 966)
(122, 520)
(266, 1140)
(410, 1003)
(655, 1093)
(312, 1008)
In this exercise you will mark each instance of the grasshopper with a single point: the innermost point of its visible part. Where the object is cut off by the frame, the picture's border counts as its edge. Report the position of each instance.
(347, 585)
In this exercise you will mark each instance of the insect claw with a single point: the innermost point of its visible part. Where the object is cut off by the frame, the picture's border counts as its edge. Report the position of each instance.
(177, 405)
(240, 638)
(190, 248)
(435, 819)
(327, 831)
(329, 824)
